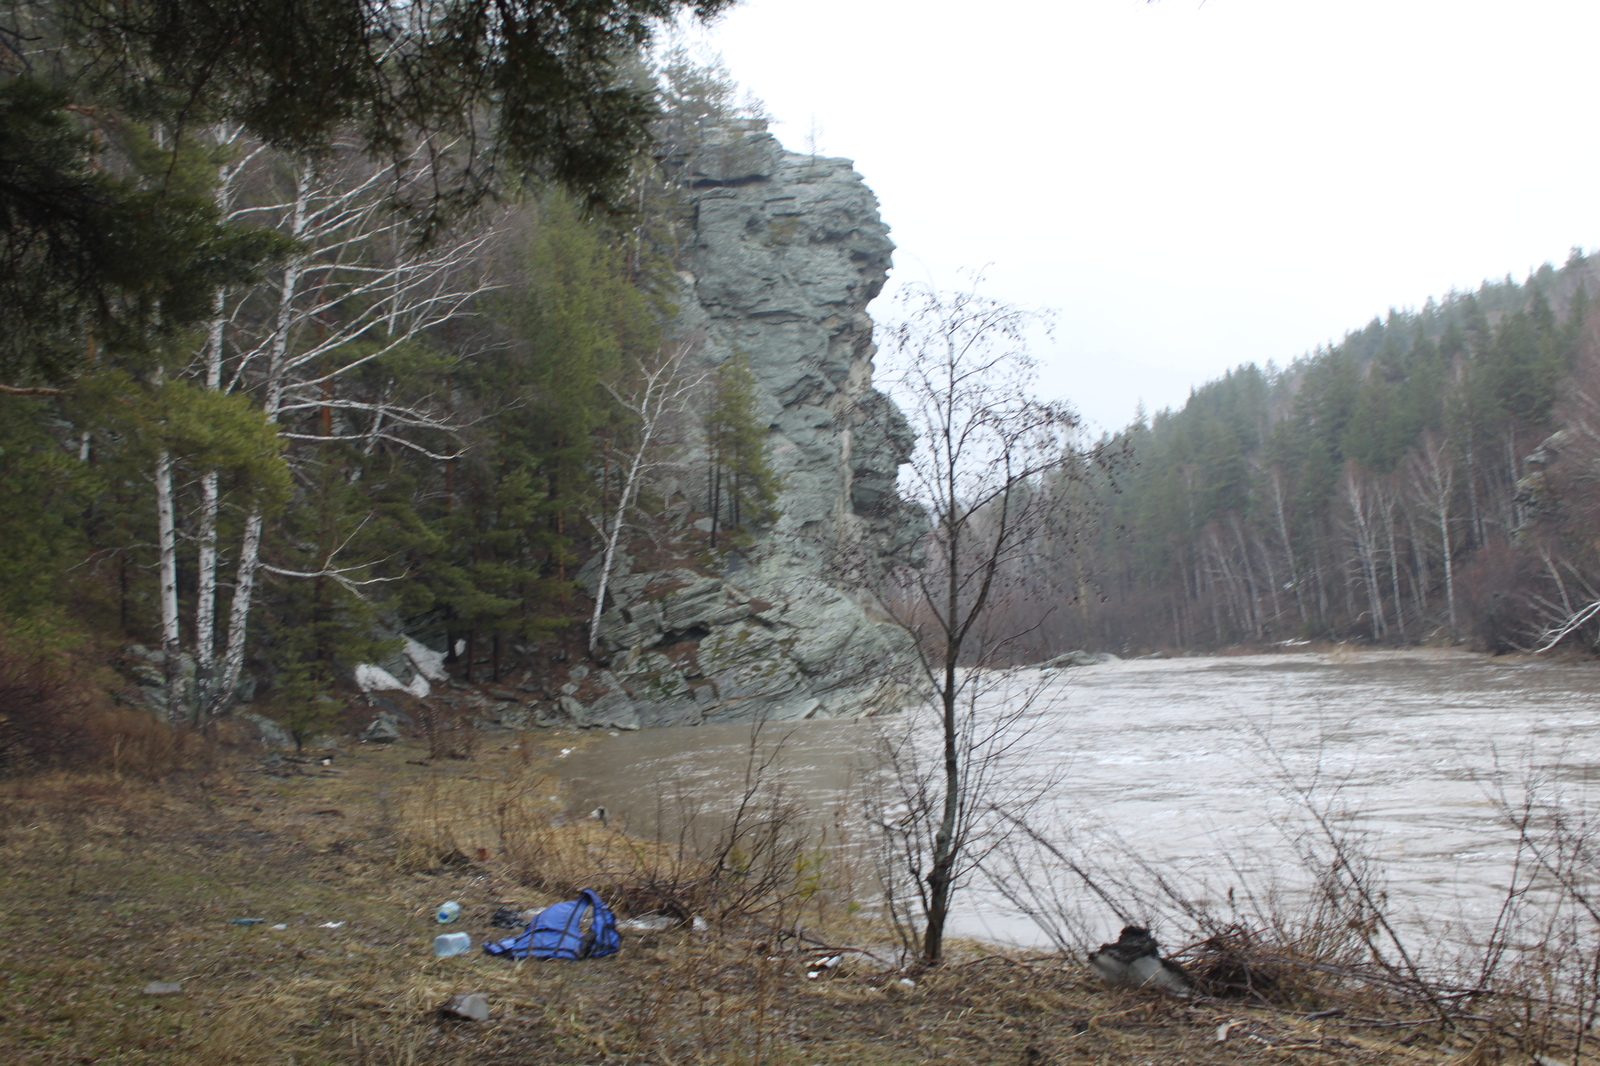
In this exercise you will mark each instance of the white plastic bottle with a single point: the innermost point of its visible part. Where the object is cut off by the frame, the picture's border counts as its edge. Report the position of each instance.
(448, 944)
(448, 912)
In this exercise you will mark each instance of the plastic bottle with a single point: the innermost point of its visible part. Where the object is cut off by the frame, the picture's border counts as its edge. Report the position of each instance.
(448, 944)
(448, 912)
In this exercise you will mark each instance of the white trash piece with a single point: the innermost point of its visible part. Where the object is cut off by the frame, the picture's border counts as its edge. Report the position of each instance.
(471, 1008)
(448, 912)
(650, 923)
(448, 944)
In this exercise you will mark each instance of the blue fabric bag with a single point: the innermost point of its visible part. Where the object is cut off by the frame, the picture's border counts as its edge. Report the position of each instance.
(558, 932)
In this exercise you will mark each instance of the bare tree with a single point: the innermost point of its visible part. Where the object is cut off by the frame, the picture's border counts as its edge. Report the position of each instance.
(356, 288)
(1432, 471)
(658, 394)
(986, 451)
(1366, 502)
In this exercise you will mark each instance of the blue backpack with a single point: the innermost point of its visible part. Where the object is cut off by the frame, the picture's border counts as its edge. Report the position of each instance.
(558, 932)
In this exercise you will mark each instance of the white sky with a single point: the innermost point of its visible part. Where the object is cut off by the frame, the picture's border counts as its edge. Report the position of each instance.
(1195, 185)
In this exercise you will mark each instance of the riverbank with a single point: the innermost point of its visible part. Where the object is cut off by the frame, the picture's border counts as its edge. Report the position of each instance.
(110, 884)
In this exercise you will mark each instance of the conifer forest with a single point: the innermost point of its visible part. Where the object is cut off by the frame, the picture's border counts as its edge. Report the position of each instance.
(1426, 479)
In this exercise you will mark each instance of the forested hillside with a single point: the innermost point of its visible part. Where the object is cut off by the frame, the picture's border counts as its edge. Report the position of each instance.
(1390, 488)
(394, 420)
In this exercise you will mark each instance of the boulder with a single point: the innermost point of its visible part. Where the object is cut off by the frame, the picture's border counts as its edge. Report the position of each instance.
(383, 730)
(613, 710)
(147, 669)
(270, 733)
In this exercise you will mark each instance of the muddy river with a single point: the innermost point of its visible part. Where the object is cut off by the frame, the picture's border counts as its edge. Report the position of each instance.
(1199, 766)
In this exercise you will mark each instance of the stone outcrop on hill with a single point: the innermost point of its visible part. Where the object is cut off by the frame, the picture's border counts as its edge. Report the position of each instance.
(787, 251)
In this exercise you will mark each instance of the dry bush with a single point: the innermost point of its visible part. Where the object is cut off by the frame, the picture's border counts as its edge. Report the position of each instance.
(1538, 971)
(753, 861)
(1316, 930)
(56, 712)
(1330, 936)
(44, 706)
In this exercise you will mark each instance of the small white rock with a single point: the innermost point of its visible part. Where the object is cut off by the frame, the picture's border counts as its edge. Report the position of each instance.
(470, 1007)
(907, 982)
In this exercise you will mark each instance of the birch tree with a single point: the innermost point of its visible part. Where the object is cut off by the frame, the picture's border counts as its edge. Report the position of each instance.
(1363, 527)
(658, 394)
(357, 289)
(1431, 473)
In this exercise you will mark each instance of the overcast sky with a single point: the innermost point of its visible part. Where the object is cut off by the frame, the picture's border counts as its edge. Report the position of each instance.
(1195, 185)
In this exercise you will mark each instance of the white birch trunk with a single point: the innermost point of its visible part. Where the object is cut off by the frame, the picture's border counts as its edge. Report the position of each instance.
(205, 610)
(663, 391)
(612, 538)
(167, 540)
(1288, 546)
(1449, 571)
(239, 612)
(250, 547)
(1388, 503)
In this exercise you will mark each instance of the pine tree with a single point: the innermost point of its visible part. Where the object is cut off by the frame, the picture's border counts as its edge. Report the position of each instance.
(741, 485)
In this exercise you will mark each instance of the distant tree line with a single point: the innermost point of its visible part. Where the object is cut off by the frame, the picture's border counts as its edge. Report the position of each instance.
(1390, 488)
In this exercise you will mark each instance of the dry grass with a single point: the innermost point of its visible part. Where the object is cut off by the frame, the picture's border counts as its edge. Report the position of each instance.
(110, 882)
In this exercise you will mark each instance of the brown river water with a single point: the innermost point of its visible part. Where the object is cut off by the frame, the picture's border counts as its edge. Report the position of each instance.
(1186, 762)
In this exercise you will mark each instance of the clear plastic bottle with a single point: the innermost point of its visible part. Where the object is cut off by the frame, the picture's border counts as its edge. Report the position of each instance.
(448, 944)
(448, 912)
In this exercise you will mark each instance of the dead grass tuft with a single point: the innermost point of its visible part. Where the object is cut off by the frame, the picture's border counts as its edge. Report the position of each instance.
(57, 710)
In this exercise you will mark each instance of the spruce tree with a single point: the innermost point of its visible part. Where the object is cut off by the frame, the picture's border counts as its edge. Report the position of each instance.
(741, 485)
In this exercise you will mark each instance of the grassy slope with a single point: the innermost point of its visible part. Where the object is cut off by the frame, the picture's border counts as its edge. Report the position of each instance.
(108, 884)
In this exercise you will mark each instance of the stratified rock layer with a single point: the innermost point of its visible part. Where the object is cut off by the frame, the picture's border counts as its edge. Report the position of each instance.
(787, 251)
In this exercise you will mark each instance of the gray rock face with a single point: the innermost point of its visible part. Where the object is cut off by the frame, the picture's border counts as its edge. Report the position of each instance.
(786, 252)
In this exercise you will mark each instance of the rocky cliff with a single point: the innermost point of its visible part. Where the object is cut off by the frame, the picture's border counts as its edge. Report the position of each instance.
(786, 252)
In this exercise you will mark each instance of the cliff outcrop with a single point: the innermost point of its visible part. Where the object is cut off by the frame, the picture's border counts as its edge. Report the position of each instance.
(786, 252)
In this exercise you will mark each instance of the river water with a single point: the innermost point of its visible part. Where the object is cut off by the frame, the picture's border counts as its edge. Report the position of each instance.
(1196, 764)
